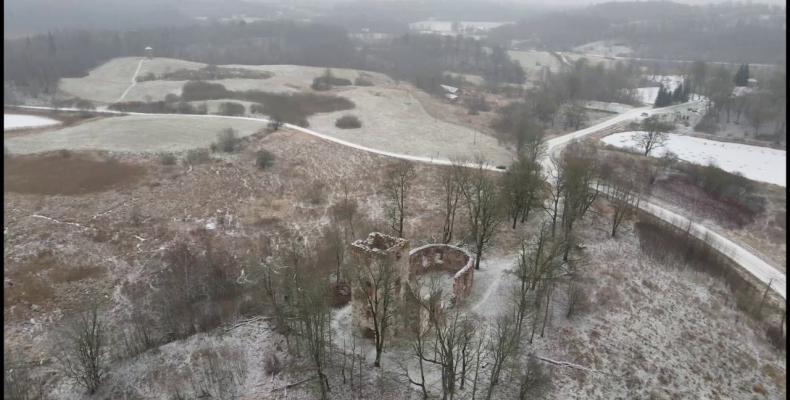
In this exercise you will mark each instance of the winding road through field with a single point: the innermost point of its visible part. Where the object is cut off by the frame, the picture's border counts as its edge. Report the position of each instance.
(750, 262)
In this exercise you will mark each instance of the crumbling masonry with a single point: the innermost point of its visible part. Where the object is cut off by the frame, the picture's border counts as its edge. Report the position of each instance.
(440, 259)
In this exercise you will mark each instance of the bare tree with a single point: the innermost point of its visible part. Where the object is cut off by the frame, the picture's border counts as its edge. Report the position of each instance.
(502, 345)
(577, 298)
(311, 315)
(537, 264)
(654, 134)
(397, 185)
(574, 115)
(334, 240)
(482, 200)
(624, 196)
(522, 189)
(82, 352)
(18, 382)
(533, 380)
(452, 335)
(451, 196)
(377, 284)
(345, 212)
(580, 187)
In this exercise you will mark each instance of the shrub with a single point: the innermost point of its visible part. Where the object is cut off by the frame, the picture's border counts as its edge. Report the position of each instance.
(231, 108)
(83, 104)
(227, 141)
(200, 90)
(314, 193)
(776, 336)
(167, 158)
(348, 122)
(271, 364)
(197, 156)
(64, 153)
(147, 77)
(707, 124)
(362, 81)
(320, 85)
(727, 187)
(476, 104)
(264, 159)
(82, 350)
(171, 98)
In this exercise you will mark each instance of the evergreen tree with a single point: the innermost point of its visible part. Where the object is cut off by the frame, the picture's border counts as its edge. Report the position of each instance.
(742, 76)
(686, 92)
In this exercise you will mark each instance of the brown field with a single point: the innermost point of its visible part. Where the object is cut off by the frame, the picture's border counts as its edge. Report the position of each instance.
(62, 173)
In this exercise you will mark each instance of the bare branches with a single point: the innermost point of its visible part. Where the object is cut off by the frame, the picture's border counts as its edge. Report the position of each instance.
(481, 197)
(397, 185)
(82, 352)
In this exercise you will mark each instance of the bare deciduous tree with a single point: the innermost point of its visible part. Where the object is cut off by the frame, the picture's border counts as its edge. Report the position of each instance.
(624, 196)
(502, 345)
(397, 185)
(482, 200)
(82, 352)
(654, 134)
(451, 197)
(522, 189)
(377, 284)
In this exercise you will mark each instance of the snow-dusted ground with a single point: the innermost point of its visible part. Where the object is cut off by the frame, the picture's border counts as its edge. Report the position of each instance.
(670, 82)
(754, 162)
(604, 48)
(16, 121)
(647, 95)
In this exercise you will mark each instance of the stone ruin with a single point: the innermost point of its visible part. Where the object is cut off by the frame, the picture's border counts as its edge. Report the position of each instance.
(452, 266)
(373, 251)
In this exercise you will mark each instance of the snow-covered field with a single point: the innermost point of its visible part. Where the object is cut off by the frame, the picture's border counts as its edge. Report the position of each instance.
(606, 48)
(647, 95)
(533, 61)
(107, 82)
(393, 120)
(135, 133)
(757, 163)
(447, 26)
(16, 121)
(670, 82)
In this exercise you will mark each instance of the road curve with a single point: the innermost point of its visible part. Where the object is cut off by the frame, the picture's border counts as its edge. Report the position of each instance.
(743, 257)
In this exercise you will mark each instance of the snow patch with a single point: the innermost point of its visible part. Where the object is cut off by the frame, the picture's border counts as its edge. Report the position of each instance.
(754, 162)
(16, 121)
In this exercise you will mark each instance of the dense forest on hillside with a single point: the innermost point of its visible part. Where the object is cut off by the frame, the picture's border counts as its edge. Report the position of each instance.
(736, 32)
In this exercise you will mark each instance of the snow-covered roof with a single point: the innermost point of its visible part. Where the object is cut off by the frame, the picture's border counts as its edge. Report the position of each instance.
(450, 89)
(450, 96)
(148, 48)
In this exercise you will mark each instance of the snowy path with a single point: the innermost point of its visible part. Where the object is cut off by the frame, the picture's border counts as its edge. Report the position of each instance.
(134, 81)
(751, 263)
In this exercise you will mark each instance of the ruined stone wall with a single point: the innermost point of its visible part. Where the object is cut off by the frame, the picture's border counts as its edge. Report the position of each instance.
(446, 258)
(375, 249)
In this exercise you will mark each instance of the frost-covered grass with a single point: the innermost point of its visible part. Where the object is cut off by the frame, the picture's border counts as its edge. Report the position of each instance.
(16, 121)
(134, 134)
(393, 120)
(534, 61)
(107, 82)
(606, 48)
(757, 163)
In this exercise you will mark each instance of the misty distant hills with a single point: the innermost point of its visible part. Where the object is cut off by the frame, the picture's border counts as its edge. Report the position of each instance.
(660, 29)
